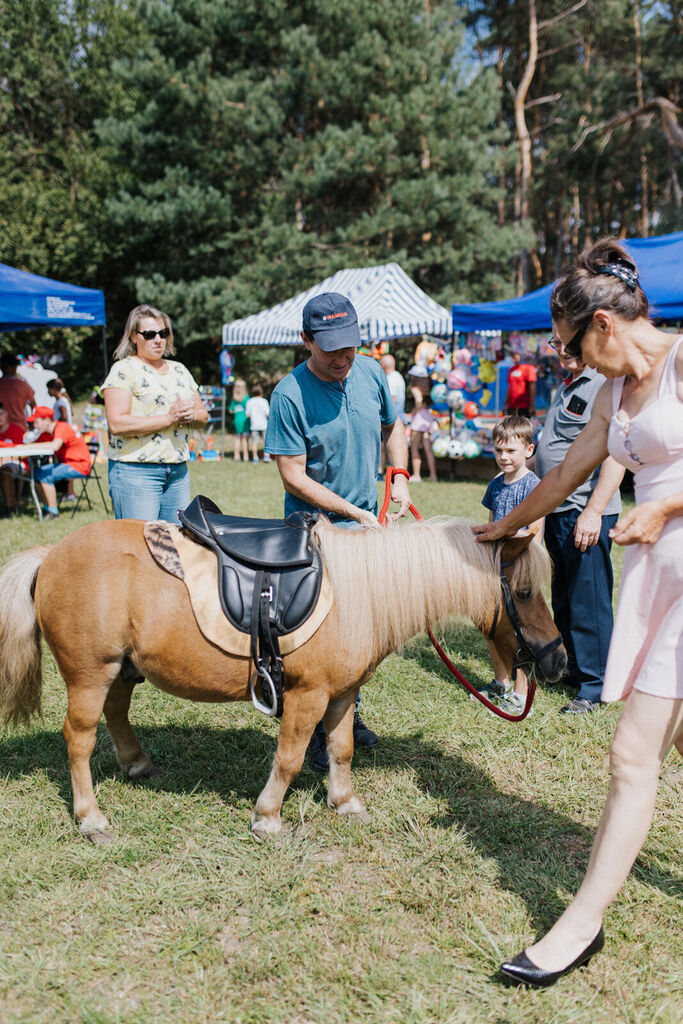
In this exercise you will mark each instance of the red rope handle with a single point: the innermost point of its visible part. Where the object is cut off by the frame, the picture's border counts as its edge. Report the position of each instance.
(393, 471)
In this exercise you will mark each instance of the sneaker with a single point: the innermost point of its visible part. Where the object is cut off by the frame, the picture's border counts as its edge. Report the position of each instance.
(317, 752)
(256, 460)
(493, 690)
(70, 497)
(266, 458)
(512, 703)
(579, 706)
(50, 515)
(362, 736)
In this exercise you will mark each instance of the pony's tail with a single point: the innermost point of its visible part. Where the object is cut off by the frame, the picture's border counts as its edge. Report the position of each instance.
(20, 656)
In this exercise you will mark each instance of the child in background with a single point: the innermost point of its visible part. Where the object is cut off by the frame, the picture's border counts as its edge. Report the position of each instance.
(62, 409)
(238, 408)
(513, 444)
(62, 406)
(257, 413)
(421, 428)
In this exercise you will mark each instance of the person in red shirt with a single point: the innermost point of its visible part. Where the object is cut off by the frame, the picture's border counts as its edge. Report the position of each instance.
(10, 434)
(71, 453)
(15, 392)
(520, 397)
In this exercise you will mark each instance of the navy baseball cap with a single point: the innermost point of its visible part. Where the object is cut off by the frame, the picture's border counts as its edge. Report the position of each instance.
(332, 321)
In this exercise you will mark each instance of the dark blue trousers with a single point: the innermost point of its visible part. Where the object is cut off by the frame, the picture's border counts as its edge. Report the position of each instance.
(582, 599)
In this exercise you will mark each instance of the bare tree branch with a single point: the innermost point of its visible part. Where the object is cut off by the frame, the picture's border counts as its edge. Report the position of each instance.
(670, 126)
(543, 99)
(560, 17)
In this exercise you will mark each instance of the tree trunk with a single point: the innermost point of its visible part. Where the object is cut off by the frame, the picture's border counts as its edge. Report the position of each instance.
(644, 176)
(524, 141)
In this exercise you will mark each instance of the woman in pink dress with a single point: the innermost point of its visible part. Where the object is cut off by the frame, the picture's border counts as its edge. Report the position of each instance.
(600, 314)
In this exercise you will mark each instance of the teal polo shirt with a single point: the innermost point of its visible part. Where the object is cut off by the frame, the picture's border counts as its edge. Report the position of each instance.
(338, 427)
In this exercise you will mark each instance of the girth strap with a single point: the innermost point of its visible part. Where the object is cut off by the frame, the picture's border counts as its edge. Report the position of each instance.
(265, 649)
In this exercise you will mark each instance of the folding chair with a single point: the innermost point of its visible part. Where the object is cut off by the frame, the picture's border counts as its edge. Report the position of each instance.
(94, 449)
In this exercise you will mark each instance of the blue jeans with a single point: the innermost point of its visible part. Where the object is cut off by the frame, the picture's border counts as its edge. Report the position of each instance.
(582, 599)
(57, 471)
(149, 490)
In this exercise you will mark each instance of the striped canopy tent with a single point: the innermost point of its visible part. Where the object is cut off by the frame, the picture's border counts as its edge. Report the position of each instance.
(389, 305)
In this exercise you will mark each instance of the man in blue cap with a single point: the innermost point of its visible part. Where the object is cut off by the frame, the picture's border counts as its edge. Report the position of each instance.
(328, 419)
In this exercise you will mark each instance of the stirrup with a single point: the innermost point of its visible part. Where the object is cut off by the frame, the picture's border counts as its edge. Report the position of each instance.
(264, 676)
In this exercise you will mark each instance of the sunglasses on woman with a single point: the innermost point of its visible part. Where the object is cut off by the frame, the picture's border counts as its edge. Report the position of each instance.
(151, 335)
(573, 346)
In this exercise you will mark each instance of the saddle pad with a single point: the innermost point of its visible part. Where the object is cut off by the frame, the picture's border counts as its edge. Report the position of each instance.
(197, 567)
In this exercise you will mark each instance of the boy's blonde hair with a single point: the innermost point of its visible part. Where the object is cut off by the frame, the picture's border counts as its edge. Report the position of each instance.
(512, 427)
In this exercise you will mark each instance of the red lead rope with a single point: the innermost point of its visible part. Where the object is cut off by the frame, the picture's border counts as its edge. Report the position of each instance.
(393, 471)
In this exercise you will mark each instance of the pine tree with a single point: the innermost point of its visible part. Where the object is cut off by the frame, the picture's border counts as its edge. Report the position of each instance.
(272, 144)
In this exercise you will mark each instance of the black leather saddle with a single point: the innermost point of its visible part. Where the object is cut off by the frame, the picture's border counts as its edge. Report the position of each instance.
(269, 579)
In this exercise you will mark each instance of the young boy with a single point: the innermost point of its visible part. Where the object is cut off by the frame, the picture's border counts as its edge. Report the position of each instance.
(513, 444)
(257, 411)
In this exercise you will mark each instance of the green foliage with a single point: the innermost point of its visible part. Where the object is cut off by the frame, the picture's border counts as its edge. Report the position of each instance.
(214, 157)
(623, 181)
(274, 144)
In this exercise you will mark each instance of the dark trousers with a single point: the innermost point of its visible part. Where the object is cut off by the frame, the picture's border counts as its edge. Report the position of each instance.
(582, 599)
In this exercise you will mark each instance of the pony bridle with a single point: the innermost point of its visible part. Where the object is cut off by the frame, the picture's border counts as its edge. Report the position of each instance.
(526, 655)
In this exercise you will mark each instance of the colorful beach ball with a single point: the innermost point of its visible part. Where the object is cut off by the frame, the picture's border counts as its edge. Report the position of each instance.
(455, 400)
(470, 410)
(438, 393)
(457, 378)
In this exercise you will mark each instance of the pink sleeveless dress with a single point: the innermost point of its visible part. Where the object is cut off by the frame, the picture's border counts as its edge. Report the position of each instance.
(646, 652)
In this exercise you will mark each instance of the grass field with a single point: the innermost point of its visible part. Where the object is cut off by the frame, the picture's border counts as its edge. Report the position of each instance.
(479, 833)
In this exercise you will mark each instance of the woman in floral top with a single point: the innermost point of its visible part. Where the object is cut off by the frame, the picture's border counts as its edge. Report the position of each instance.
(152, 403)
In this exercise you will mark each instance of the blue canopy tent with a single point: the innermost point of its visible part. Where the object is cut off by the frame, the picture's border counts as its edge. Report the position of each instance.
(388, 303)
(27, 300)
(660, 262)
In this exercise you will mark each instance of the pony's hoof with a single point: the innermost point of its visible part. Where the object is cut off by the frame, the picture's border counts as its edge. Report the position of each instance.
(143, 770)
(355, 809)
(266, 828)
(98, 836)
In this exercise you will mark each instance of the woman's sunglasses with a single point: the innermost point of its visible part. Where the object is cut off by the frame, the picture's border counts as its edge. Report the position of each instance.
(151, 335)
(573, 346)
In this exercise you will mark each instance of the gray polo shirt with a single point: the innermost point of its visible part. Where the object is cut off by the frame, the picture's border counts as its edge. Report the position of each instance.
(571, 409)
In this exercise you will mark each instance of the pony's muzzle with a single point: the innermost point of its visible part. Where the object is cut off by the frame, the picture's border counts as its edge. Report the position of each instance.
(552, 667)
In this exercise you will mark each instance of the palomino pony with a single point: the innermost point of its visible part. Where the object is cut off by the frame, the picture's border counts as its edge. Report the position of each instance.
(387, 586)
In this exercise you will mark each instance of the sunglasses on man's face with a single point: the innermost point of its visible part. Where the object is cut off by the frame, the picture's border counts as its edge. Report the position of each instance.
(151, 335)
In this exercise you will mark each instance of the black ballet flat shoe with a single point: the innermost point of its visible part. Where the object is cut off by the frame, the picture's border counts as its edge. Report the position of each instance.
(524, 972)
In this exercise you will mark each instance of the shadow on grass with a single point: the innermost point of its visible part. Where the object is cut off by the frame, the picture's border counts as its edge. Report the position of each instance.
(536, 848)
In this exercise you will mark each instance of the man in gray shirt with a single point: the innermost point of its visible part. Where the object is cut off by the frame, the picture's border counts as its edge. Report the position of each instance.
(576, 536)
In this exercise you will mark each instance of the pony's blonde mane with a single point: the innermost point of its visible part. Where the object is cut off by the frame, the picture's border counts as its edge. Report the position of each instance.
(391, 584)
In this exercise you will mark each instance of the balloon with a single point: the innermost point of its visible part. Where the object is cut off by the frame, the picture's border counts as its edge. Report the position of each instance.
(455, 400)
(456, 379)
(442, 368)
(426, 352)
(456, 449)
(438, 393)
(471, 449)
(487, 371)
(471, 409)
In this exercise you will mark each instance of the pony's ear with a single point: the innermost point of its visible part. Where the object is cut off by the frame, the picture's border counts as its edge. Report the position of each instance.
(514, 546)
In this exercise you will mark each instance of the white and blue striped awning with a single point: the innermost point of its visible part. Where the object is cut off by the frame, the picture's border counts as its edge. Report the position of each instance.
(388, 303)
